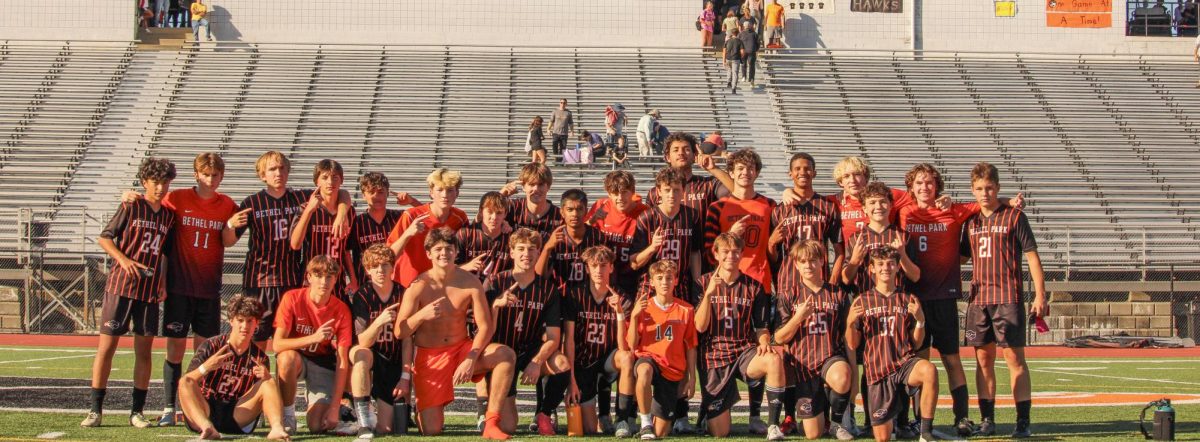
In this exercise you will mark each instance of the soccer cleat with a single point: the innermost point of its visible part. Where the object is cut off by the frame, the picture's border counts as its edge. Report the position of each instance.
(682, 426)
(289, 423)
(167, 419)
(92, 420)
(622, 430)
(839, 432)
(757, 426)
(366, 433)
(986, 428)
(544, 426)
(928, 437)
(605, 424)
(479, 423)
(346, 429)
(774, 433)
(647, 433)
(965, 427)
(138, 420)
(788, 425)
(1021, 431)
(906, 431)
(849, 424)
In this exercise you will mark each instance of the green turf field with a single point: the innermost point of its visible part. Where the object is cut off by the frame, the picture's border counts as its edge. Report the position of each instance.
(1056, 419)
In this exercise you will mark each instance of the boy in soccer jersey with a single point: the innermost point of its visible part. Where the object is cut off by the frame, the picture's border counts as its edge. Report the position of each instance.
(381, 365)
(662, 336)
(535, 211)
(616, 217)
(312, 230)
(745, 213)
(995, 240)
(681, 153)
(228, 386)
(373, 225)
(484, 250)
(528, 316)
(593, 318)
(561, 256)
(811, 317)
(407, 238)
(879, 232)
(434, 314)
(313, 335)
(668, 232)
(889, 324)
(272, 266)
(733, 319)
(810, 216)
(138, 239)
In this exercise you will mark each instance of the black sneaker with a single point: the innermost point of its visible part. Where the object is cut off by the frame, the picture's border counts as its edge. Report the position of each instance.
(986, 428)
(965, 427)
(1021, 431)
(905, 431)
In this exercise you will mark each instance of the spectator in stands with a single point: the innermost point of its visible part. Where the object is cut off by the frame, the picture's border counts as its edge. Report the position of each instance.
(183, 14)
(730, 23)
(533, 141)
(752, 11)
(749, 40)
(645, 131)
(714, 145)
(775, 24)
(614, 123)
(200, 18)
(707, 20)
(160, 12)
(734, 54)
(1188, 19)
(562, 124)
(594, 141)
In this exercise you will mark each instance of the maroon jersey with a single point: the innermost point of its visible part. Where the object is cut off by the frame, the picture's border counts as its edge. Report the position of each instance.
(143, 235)
(698, 193)
(618, 228)
(520, 326)
(520, 216)
(565, 262)
(682, 237)
(997, 243)
(320, 240)
(475, 242)
(270, 260)
(739, 310)
(235, 378)
(366, 232)
(936, 234)
(595, 324)
(821, 337)
(817, 219)
(886, 328)
(874, 240)
(854, 218)
(197, 260)
(366, 307)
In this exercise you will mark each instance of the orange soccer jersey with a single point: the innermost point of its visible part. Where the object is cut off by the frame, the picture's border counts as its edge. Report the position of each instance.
(413, 260)
(726, 212)
(665, 335)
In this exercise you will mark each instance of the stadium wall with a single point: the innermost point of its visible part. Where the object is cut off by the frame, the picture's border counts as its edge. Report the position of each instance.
(88, 20)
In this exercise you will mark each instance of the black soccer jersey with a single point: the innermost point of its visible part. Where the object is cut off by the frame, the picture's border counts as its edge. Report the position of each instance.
(997, 243)
(595, 324)
(817, 219)
(682, 237)
(320, 240)
(565, 261)
(144, 235)
(874, 240)
(887, 330)
(270, 260)
(366, 307)
(366, 232)
(520, 326)
(698, 193)
(822, 336)
(520, 216)
(739, 310)
(235, 378)
(474, 242)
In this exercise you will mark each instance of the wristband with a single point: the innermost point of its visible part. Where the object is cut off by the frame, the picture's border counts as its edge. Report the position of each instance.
(620, 316)
(202, 370)
(919, 324)
(406, 376)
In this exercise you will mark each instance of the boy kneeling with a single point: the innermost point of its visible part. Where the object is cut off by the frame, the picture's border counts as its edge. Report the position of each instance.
(663, 338)
(381, 364)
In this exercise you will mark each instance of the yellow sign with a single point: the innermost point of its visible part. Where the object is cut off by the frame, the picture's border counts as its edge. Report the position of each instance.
(1006, 8)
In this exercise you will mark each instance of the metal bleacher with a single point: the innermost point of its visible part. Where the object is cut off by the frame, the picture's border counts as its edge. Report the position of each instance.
(1101, 145)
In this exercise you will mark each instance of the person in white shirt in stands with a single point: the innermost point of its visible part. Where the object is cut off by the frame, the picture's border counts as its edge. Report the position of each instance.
(645, 132)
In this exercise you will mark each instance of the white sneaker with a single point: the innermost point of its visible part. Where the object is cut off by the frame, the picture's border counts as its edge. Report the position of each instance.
(622, 430)
(479, 423)
(168, 418)
(774, 433)
(838, 431)
(138, 420)
(92, 420)
(366, 433)
(757, 426)
(682, 426)
(346, 429)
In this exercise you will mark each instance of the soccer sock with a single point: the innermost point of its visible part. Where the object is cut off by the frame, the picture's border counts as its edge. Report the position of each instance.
(647, 421)
(756, 397)
(789, 402)
(362, 407)
(837, 406)
(556, 388)
(625, 408)
(926, 425)
(863, 391)
(681, 409)
(916, 404)
(171, 374)
(98, 400)
(539, 390)
(139, 401)
(902, 417)
(481, 404)
(774, 404)
(604, 399)
(987, 409)
(1023, 409)
(961, 402)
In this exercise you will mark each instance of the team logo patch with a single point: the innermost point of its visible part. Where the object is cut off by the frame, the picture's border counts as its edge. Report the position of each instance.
(878, 414)
(805, 406)
(175, 326)
(716, 404)
(970, 334)
(113, 324)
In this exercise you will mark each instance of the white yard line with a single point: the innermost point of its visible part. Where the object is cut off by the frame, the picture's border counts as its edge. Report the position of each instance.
(1123, 378)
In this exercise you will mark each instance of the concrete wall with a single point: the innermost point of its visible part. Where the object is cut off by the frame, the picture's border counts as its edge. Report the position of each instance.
(67, 20)
(479, 22)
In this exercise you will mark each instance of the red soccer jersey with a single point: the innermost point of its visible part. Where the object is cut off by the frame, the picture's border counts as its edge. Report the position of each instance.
(665, 335)
(724, 213)
(854, 218)
(365, 232)
(681, 239)
(298, 316)
(539, 305)
(197, 260)
(143, 235)
(886, 328)
(595, 324)
(816, 219)
(739, 310)
(413, 260)
(936, 234)
(565, 262)
(474, 242)
(366, 307)
(821, 337)
(520, 216)
(270, 260)
(235, 377)
(874, 240)
(618, 227)
(997, 243)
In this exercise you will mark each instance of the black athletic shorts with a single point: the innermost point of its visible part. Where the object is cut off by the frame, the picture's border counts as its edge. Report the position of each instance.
(523, 360)
(183, 313)
(385, 375)
(119, 312)
(884, 397)
(590, 378)
(941, 325)
(1003, 324)
(220, 413)
(810, 388)
(269, 297)
(720, 392)
(665, 391)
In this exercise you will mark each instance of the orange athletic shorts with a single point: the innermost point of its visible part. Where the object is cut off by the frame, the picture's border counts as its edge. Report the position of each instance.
(433, 374)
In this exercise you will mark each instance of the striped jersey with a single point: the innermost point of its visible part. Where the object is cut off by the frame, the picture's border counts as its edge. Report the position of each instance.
(595, 324)
(724, 213)
(822, 336)
(233, 379)
(474, 242)
(886, 328)
(270, 260)
(366, 232)
(198, 257)
(665, 334)
(997, 244)
(520, 216)
(874, 240)
(320, 240)
(618, 228)
(682, 237)
(143, 235)
(699, 192)
(539, 305)
(816, 219)
(854, 218)
(936, 234)
(565, 262)
(366, 307)
(739, 311)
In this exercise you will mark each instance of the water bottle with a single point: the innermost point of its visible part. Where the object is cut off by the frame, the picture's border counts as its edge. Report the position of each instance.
(574, 420)
(400, 417)
(1164, 421)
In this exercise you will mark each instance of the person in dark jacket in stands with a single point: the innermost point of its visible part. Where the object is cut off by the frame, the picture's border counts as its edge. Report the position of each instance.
(750, 45)
(734, 54)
